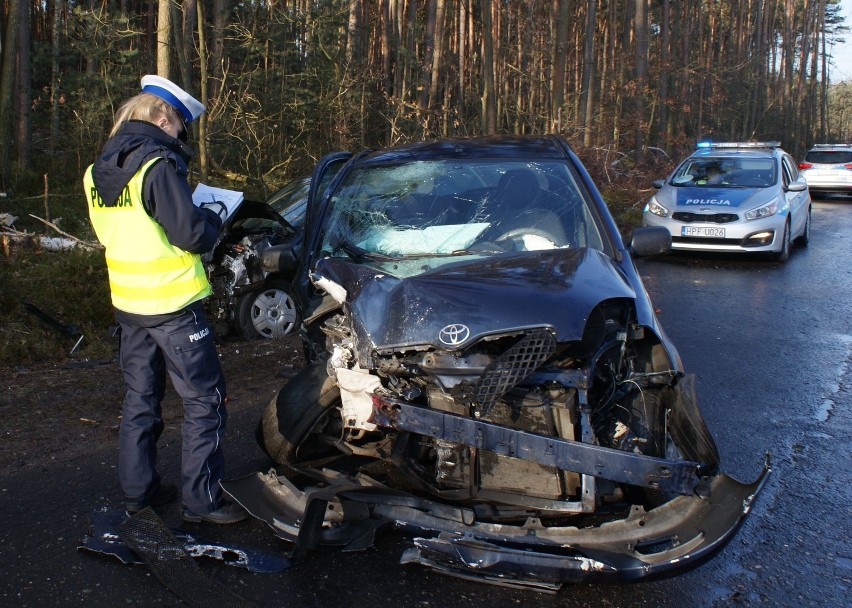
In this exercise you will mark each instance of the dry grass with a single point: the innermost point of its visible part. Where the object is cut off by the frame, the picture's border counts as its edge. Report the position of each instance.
(71, 289)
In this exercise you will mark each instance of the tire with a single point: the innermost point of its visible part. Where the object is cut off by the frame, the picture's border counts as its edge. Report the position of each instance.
(784, 254)
(270, 312)
(298, 410)
(805, 237)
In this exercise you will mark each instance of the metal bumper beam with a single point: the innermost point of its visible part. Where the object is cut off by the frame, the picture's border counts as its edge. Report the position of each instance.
(584, 458)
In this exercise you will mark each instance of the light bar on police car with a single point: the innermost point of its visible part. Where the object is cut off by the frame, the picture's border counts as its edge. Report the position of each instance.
(740, 144)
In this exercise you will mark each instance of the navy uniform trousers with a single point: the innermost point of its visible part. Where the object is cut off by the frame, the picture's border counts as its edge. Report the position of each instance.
(183, 346)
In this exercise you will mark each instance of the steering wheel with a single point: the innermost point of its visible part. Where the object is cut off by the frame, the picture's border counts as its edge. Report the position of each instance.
(517, 234)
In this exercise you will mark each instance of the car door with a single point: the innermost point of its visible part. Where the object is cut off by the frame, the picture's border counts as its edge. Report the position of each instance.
(322, 177)
(796, 199)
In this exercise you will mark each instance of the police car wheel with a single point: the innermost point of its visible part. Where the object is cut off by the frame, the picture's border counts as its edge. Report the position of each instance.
(269, 312)
(805, 237)
(784, 254)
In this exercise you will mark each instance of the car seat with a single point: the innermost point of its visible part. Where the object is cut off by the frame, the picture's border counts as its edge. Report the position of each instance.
(517, 189)
(515, 200)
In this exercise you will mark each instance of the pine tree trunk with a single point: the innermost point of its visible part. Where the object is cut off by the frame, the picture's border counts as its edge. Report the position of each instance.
(489, 101)
(7, 88)
(164, 36)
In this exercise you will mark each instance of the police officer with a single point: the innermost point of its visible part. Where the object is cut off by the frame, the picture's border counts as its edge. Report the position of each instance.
(141, 208)
(713, 176)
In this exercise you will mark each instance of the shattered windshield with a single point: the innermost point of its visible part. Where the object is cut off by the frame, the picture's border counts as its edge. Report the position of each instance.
(450, 209)
(716, 172)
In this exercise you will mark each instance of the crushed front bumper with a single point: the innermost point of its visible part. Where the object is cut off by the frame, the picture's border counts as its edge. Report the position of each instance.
(347, 512)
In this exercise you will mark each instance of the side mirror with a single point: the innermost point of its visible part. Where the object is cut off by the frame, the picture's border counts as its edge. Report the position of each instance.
(650, 240)
(797, 186)
(658, 183)
(279, 258)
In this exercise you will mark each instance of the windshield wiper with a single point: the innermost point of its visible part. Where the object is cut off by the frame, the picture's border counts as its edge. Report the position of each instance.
(479, 249)
(360, 254)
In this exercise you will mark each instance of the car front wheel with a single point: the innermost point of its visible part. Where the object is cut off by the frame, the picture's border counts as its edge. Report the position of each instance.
(270, 312)
(784, 253)
(805, 237)
(300, 410)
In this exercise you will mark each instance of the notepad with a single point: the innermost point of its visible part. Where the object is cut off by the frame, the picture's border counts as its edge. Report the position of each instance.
(208, 194)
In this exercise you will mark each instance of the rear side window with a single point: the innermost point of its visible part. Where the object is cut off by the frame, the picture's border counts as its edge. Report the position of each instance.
(829, 157)
(790, 168)
(789, 172)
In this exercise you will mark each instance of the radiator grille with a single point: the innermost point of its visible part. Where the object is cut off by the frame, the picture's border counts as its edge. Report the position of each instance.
(515, 364)
(712, 218)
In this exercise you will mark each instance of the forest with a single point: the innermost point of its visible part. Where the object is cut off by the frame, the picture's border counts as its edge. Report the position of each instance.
(285, 81)
(630, 84)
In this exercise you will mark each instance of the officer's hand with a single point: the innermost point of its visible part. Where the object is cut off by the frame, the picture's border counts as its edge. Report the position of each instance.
(217, 207)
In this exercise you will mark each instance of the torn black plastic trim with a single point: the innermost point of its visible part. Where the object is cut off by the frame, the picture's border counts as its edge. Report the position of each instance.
(106, 540)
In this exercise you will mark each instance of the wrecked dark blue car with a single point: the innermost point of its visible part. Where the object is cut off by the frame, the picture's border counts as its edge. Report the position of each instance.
(488, 374)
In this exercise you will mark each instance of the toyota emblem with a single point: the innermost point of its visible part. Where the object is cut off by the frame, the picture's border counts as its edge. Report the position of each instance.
(454, 334)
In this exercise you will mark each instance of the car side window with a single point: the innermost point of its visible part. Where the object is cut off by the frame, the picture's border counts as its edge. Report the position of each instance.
(787, 172)
(790, 167)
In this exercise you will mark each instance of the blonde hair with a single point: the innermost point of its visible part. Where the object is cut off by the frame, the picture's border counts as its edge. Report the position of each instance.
(144, 106)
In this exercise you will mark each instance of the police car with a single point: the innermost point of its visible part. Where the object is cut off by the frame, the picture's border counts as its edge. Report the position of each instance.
(733, 197)
(828, 169)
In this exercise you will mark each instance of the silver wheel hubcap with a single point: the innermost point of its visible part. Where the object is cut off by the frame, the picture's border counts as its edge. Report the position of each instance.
(273, 313)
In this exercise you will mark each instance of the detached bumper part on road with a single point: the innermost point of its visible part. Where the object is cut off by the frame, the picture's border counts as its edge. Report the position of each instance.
(672, 538)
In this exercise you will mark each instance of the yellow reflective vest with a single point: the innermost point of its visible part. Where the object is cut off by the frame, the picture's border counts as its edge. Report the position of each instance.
(147, 274)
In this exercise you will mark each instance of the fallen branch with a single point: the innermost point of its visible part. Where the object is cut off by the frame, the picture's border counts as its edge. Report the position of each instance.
(59, 245)
(8, 239)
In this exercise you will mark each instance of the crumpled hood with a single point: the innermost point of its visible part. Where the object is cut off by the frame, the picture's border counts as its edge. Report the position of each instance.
(557, 288)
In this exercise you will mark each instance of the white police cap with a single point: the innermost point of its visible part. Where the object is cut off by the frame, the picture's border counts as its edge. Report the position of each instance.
(189, 107)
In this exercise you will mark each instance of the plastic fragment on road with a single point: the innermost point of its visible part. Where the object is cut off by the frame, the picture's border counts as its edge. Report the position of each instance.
(105, 539)
(150, 539)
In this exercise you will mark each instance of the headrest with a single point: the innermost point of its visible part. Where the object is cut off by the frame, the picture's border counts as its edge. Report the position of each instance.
(518, 183)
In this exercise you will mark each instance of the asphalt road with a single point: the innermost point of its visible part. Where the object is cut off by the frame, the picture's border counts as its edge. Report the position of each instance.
(771, 346)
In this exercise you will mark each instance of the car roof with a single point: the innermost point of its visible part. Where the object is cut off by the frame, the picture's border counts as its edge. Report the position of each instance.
(738, 149)
(736, 153)
(829, 147)
(494, 146)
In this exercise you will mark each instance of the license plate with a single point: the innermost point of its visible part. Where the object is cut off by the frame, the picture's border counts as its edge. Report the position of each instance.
(718, 233)
(839, 175)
